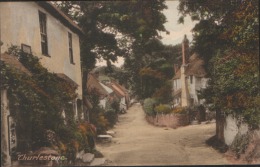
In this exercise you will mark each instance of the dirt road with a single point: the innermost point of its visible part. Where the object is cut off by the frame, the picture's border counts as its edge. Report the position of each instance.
(138, 143)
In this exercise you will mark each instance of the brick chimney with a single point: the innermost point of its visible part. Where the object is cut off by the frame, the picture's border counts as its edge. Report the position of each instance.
(185, 50)
(184, 88)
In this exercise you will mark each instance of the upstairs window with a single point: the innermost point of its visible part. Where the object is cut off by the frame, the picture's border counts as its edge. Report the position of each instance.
(191, 79)
(43, 30)
(70, 48)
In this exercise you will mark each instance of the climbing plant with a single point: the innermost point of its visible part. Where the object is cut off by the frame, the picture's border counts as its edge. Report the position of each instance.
(36, 102)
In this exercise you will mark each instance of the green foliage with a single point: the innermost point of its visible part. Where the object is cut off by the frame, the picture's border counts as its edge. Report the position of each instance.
(163, 109)
(196, 112)
(235, 88)
(240, 144)
(180, 110)
(164, 94)
(111, 116)
(227, 37)
(36, 103)
(136, 21)
(115, 105)
(149, 105)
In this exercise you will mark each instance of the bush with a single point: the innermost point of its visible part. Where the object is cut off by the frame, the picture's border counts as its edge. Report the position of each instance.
(180, 110)
(149, 105)
(163, 109)
(111, 116)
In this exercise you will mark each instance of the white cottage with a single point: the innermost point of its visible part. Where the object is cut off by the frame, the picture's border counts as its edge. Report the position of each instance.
(189, 78)
(43, 30)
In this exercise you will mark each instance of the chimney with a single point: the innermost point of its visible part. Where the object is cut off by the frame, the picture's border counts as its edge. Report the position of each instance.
(184, 88)
(185, 50)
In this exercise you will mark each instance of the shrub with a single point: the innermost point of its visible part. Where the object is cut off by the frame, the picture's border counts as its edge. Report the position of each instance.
(111, 116)
(149, 105)
(180, 110)
(164, 94)
(163, 108)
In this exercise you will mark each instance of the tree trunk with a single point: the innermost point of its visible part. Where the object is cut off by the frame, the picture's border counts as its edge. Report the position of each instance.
(220, 123)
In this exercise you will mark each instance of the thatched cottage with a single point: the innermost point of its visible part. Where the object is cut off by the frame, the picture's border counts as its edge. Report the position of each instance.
(189, 78)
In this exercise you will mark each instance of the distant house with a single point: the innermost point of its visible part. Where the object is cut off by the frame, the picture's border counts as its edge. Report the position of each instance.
(43, 30)
(189, 78)
(122, 94)
(126, 93)
(94, 85)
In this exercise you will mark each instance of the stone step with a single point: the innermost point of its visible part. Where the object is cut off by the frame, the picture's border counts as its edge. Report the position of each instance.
(80, 154)
(98, 162)
(110, 132)
(88, 157)
(105, 138)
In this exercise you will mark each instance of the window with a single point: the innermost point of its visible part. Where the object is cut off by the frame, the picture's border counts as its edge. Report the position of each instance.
(26, 48)
(43, 30)
(70, 48)
(191, 79)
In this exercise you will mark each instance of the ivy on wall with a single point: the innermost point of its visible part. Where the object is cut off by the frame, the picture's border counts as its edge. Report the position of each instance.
(36, 103)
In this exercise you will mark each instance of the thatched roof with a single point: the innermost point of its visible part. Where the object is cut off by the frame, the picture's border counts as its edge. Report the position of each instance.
(194, 67)
(14, 63)
(118, 91)
(93, 83)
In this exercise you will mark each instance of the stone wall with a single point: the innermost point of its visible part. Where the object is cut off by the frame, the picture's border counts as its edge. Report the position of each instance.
(169, 120)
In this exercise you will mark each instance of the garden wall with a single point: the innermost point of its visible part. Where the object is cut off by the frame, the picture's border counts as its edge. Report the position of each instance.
(169, 120)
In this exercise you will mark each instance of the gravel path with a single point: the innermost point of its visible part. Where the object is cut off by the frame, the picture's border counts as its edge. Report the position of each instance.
(138, 143)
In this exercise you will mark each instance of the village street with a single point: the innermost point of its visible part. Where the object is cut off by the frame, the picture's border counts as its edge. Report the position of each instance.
(138, 143)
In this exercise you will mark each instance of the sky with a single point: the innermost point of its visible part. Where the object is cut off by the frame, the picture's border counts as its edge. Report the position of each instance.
(177, 31)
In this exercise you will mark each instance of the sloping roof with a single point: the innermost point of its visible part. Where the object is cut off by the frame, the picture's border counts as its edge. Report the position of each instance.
(194, 67)
(15, 63)
(120, 86)
(93, 83)
(109, 90)
(58, 14)
(117, 90)
(67, 79)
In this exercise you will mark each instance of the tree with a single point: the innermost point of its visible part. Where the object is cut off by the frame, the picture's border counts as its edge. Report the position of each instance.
(118, 28)
(227, 37)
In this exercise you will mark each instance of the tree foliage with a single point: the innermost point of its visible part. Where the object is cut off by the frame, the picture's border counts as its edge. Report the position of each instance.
(227, 37)
(116, 28)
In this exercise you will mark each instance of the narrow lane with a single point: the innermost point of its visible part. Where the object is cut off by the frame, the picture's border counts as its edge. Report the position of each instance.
(138, 143)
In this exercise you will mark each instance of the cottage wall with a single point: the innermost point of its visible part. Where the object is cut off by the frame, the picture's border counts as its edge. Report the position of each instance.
(176, 84)
(191, 80)
(231, 129)
(20, 25)
(102, 103)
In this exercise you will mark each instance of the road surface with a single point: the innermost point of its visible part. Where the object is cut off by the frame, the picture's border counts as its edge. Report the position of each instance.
(136, 142)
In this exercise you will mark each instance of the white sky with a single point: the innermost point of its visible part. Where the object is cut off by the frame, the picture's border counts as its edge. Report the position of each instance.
(177, 31)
